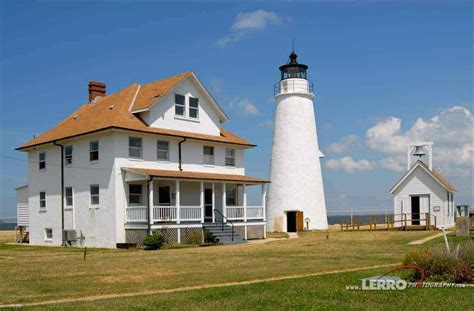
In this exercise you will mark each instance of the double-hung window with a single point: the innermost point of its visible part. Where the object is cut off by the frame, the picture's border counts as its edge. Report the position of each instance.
(209, 155)
(94, 150)
(135, 195)
(48, 233)
(163, 150)
(231, 197)
(193, 108)
(68, 195)
(229, 157)
(42, 160)
(94, 193)
(68, 155)
(42, 199)
(179, 105)
(135, 147)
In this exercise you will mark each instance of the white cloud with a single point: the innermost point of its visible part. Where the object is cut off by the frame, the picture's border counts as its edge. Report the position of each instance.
(247, 22)
(349, 165)
(451, 131)
(245, 107)
(266, 124)
(346, 144)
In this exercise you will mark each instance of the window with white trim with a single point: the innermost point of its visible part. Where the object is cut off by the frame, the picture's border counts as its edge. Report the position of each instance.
(42, 160)
(68, 196)
(231, 196)
(163, 150)
(229, 157)
(94, 150)
(193, 107)
(94, 194)
(68, 155)
(48, 234)
(208, 155)
(179, 105)
(135, 194)
(42, 199)
(135, 147)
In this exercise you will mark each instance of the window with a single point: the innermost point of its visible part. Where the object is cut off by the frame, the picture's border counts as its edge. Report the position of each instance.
(135, 194)
(94, 194)
(42, 199)
(179, 106)
(42, 160)
(163, 148)
(230, 197)
(68, 155)
(208, 155)
(193, 107)
(68, 195)
(229, 157)
(135, 147)
(48, 234)
(94, 150)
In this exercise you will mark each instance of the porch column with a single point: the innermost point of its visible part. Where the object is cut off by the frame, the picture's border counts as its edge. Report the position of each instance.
(224, 207)
(150, 203)
(178, 203)
(213, 202)
(201, 200)
(264, 200)
(244, 189)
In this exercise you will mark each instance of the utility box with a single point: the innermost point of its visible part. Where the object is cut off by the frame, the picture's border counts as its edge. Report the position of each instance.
(70, 236)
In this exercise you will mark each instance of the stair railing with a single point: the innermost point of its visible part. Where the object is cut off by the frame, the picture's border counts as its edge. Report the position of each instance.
(228, 221)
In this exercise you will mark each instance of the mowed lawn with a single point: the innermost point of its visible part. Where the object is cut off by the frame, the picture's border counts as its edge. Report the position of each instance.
(34, 274)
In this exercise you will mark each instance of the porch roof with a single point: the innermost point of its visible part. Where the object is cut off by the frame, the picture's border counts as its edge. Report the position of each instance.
(195, 175)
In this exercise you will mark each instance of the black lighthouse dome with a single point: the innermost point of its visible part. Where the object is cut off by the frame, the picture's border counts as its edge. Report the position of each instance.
(293, 69)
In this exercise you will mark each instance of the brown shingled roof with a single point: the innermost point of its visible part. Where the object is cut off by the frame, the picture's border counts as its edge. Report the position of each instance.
(113, 112)
(151, 92)
(196, 175)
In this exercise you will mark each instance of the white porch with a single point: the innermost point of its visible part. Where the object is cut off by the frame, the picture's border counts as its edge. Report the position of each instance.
(157, 200)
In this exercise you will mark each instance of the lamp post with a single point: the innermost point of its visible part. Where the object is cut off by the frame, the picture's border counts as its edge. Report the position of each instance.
(307, 220)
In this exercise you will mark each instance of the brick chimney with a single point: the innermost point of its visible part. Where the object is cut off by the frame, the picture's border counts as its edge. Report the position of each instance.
(96, 89)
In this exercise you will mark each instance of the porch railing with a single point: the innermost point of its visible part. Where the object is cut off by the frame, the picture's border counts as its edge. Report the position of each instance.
(137, 214)
(254, 212)
(190, 213)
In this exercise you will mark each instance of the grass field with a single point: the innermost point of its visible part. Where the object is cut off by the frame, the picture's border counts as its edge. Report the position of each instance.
(34, 274)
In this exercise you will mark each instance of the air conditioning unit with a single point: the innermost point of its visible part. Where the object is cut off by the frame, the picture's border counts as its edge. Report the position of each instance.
(69, 236)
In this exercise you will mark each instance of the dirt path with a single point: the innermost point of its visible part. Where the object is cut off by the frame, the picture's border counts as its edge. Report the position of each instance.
(422, 241)
(187, 288)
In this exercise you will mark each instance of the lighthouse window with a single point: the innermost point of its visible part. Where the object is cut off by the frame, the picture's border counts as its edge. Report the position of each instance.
(179, 105)
(193, 107)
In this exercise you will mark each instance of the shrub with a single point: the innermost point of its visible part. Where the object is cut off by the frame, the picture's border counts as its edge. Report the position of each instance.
(421, 258)
(153, 241)
(208, 237)
(463, 272)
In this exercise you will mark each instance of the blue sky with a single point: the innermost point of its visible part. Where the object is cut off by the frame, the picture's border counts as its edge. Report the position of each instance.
(377, 69)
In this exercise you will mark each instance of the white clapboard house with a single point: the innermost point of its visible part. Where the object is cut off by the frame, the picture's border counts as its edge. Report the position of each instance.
(423, 196)
(150, 157)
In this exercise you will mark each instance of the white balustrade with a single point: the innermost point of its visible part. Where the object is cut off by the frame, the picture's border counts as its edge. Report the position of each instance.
(190, 213)
(254, 212)
(164, 213)
(137, 214)
(235, 212)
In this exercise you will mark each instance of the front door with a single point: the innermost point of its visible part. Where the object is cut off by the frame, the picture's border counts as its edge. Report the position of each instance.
(415, 210)
(164, 195)
(291, 221)
(208, 205)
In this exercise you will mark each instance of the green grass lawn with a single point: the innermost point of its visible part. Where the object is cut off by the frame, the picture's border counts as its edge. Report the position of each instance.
(33, 274)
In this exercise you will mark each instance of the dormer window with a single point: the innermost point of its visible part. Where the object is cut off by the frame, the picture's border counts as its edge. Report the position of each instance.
(179, 105)
(193, 107)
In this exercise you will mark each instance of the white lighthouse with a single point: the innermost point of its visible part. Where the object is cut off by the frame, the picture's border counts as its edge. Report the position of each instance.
(296, 194)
